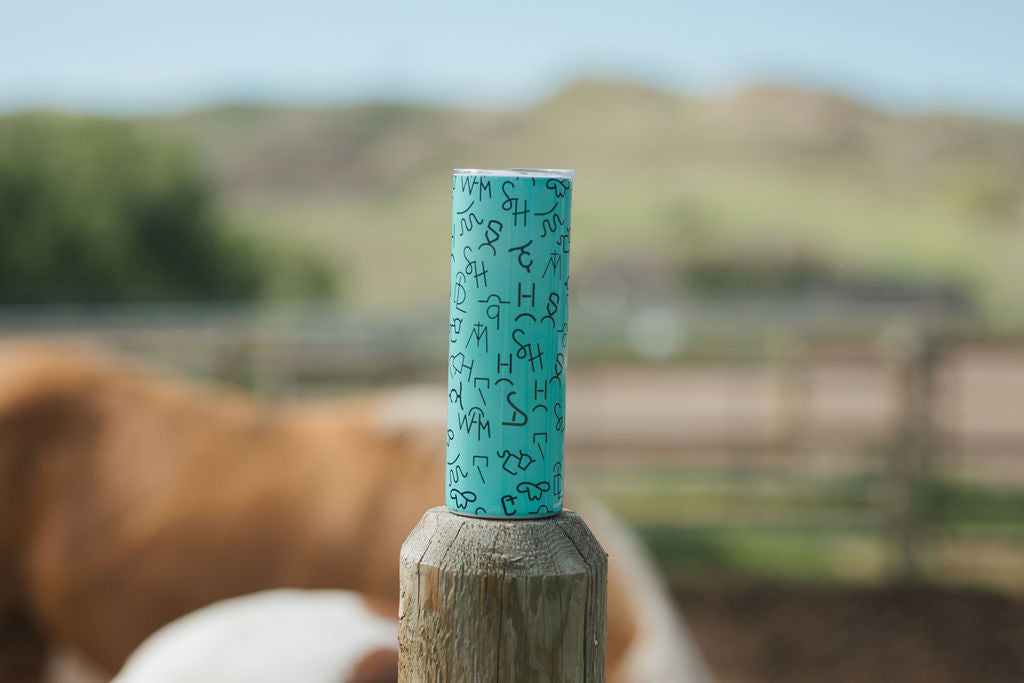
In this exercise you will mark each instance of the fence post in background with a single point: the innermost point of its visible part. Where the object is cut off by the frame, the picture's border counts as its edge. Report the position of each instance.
(492, 600)
(912, 451)
(791, 364)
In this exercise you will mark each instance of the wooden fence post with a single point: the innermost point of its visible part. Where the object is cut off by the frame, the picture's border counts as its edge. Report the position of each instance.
(492, 600)
(912, 453)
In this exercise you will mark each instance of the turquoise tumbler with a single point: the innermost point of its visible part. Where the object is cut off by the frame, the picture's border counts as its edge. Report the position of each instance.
(507, 342)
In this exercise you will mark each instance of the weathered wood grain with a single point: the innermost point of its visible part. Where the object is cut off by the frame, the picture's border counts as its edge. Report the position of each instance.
(492, 600)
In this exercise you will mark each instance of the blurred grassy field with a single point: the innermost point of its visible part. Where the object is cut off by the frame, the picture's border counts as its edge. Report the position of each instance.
(662, 181)
(746, 523)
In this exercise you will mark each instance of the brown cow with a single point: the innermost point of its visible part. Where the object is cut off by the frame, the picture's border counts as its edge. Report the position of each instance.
(127, 501)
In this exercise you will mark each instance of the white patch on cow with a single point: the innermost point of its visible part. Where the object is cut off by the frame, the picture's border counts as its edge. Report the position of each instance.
(301, 636)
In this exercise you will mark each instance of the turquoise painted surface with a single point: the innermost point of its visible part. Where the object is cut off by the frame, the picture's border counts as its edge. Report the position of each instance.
(508, 340)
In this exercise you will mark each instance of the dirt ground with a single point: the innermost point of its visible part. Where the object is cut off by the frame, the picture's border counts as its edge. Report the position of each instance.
(768, 633)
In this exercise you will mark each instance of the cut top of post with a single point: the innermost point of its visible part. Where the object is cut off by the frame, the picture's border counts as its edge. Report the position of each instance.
(495, 601)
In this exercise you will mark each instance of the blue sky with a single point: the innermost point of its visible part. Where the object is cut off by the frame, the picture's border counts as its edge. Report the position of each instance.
(124, 56)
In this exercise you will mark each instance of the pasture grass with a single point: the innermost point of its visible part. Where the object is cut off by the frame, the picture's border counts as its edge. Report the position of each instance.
(705, 523)
(661, 180)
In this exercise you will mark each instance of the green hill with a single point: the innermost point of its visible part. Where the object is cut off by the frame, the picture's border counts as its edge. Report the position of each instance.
(809, 182)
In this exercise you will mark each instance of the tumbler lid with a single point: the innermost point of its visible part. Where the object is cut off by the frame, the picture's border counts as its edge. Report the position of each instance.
(519, 172)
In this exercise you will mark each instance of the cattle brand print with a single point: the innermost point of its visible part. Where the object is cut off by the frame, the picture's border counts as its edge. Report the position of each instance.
(508, 336)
